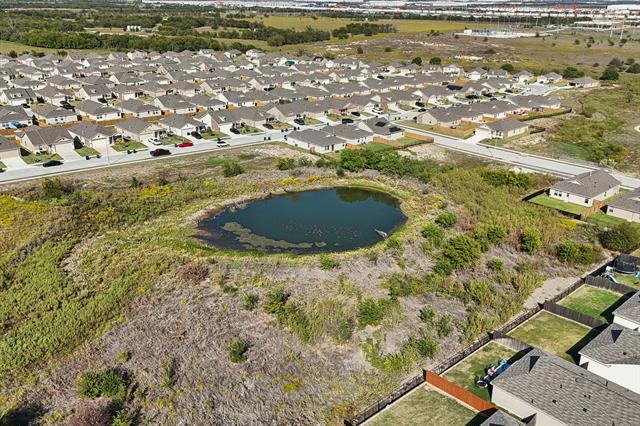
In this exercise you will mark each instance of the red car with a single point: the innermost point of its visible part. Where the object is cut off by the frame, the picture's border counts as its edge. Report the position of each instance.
(184, 144)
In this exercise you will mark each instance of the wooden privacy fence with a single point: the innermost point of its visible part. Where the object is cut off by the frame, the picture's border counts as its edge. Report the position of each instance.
(595, 208)
(459, 393)
(573, 315)
(418, 136)
(608, 285)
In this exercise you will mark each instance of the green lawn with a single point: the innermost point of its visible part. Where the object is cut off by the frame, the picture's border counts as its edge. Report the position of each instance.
(407, 141)
(277, 125)
(247, 130)
(31, 158)
(593, 301)
(87, 151)
(172, 140)
(603, 219)
(128, 145)
(413, 124)
(210, 134)
(376, 146)
(628, 279)
(2, 165)
(546, 201)
(554, 334)
(425, 406)
(311, 121)
(465, 372)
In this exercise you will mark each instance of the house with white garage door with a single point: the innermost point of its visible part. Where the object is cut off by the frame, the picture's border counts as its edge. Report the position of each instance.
(614, 354)
(46, 139)
(97, 111)
(139, 130)
(93, 135)
(8, 149)
(181, 125)
(501, 129)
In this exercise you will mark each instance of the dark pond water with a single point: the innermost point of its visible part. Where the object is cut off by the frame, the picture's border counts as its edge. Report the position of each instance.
(325, 220)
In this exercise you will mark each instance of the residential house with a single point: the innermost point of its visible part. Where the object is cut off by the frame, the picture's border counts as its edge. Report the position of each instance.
(97, 111)
(181, 125)
(52, 96)
(586, 188)
(381, 127)
(614, 354)
(95, 92)
(626, 207)
(502, 129)
(219, 121)
(554, 391)
(8, 149)
(352, 135)
(93, 135)
(139, 130)
(45, 139)
(584, 82)
(524, 77)
(139, 109)
(206, 102)
(18, 96)
(53, 115)
(12, 117)
(174, 104)
(550, 78)
(500, 418)
(628, 314)
(315, 141)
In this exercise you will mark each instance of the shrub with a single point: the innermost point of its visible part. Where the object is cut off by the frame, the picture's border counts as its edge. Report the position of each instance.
(530, 240)
(446, 219)
(508, 68)
(495, 264)
(285, 163)
(490, 235)
(610, 74)
(393, 244)
(578, 253)
(623, 237)
(423, 344)
(250, 301)
(435, 61)
(462, 250)
(433, 234)
(327, 262)
(109, 383)
(123, 356)
(275, 300)
(93, 413)
(231, 168)
(443, 326)
(427, 315)
(372, 311)
(634, 68)
(168, 374)
(122, 418)
(400, 285)
(443, 266)
(417, 60)
(500, 177)
(237, 349)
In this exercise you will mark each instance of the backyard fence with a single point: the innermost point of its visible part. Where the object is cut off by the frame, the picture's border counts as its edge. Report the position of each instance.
(418, 136)
(459, 393)
(511, 342)
(381, 404)
(607, 284)
(576, 316)
(567, 291)
(456, 358)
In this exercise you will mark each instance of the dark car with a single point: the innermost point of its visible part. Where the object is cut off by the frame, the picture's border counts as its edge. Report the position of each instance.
(52, 163)
(268, 126)
(66, 105)
(196, 135)
(420, 104)
(158, 152)
(355, 114)
(235, 131)
(299, 121)
(102, 100)
(422, 110)
(347, 121)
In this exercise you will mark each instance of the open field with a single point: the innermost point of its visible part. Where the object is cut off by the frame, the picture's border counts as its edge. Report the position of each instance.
(593, 301)
(465, 372)
(425, 406)
(554, 334)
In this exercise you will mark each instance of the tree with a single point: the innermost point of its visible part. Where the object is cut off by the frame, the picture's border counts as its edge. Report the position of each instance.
(231, 168)
(634, 68)
(417, 60)
(435, 61)
(623, 237)
(446, 219)
(508, 68)
(615, 63)
(610, 74)
(572, 72)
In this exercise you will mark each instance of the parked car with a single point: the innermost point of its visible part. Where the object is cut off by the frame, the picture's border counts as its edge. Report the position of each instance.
(52, 163)
(196, 135)
(377, 110)
(222, 144)
(102, 100)
(67, 105)
(158, 152)
(420, 104)
(235, 131)
(355, 114)
(422, 110)
(155, 141)
(299, 121)
(347, 121)
(268, 126)
(184, 144)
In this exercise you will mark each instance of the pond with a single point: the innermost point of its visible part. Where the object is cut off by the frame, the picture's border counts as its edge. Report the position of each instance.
(325, 220)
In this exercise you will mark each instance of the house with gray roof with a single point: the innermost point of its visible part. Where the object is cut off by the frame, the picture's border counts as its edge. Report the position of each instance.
(181, 125)
(8, 149)
(628, 314)
(351, 134)
(174, 104)
(583, 189)
(53, 115)
(12, 115)
(137, 108)
(614, 355)
(97, 111)
(502, 129)
(315, 141)
(45, 139)
(17, 96)
(139, 130)
(93, 135)
(381, 127)
(584, 82)
(626, 207)
(500, 418)
(557, 392)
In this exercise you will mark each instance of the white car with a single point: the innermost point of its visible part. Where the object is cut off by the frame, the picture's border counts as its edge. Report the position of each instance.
(155, 141)
(222, 144)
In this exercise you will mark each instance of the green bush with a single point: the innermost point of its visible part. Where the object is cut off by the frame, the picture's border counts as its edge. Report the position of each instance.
(489, 235)
(495, 264)
(427, 315)
(610, 74)
(250, 301)
(434, 234)
(443, 266)
(327, 262)
(393, 244)
(400, 285)
(108, 383)
(231, 168)
(578, 253)
(285, 163)
(462, 250)
(623, 237)
(372, 311)
(443, 326)
(500, 177)
(169, 374)
(423, 343)
(446, 219)
(530, 240)
(237, 349)
(275, 300)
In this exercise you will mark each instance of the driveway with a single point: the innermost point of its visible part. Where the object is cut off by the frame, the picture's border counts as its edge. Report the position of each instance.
(67, 152)
(13, 162)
